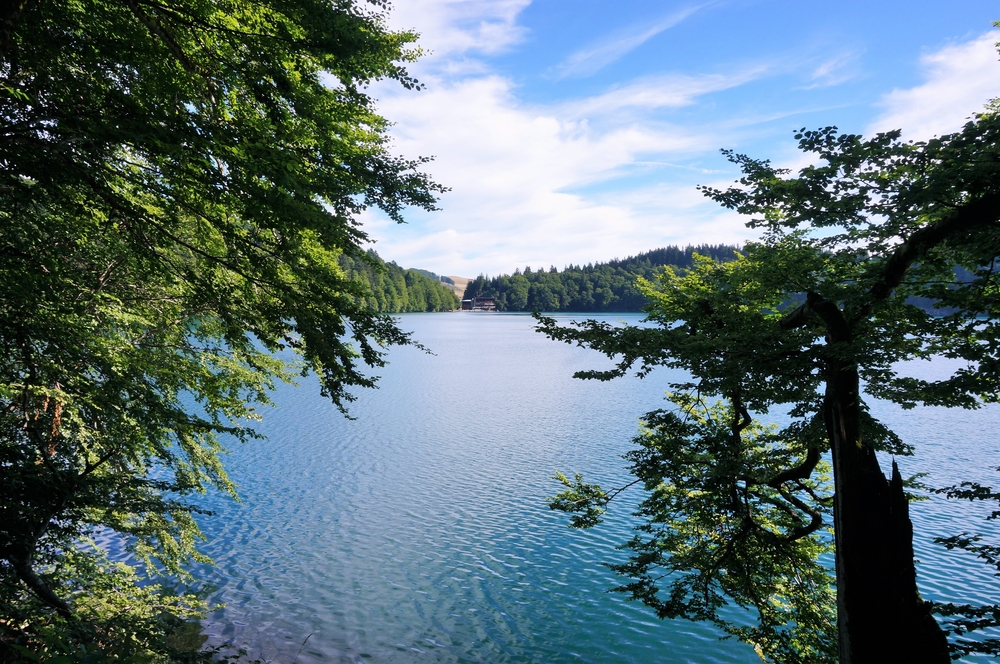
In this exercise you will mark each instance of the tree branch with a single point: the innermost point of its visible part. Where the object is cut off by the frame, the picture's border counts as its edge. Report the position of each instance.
(971, 216)
(22, 565)
(800, 472)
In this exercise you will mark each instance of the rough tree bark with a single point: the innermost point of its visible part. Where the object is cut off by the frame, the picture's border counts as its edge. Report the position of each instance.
(881, 617)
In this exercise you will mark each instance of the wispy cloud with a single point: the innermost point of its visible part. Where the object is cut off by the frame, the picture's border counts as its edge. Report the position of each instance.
(521, 177)
(611, 174)
(594, 58)
(450, 28)
(666, 91)
(564, 182)
(834, 70)
(960, 79)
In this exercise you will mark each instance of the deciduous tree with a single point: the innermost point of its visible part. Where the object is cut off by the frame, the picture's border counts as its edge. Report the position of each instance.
(177, 181)
(821, 307)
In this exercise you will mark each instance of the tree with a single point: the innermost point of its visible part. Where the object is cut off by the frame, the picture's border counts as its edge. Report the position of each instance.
(391, 289)
(721, 529)
(178, 179)
(821, 305)
(600, 287)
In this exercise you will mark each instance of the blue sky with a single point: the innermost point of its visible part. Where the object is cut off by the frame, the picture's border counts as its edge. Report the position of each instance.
(576, 131)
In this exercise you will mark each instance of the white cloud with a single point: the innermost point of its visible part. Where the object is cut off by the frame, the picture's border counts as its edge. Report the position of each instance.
(834, 70)
(668, 91)
(576, 181)
(520, 175)
(449, 28)
(567, 182)
(590, 60)
(960, 79)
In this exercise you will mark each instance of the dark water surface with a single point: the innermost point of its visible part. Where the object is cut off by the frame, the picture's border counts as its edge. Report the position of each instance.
(419, 532)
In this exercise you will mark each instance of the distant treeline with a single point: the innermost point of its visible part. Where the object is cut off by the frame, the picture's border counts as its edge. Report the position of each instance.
(396, 290)
(593, 287)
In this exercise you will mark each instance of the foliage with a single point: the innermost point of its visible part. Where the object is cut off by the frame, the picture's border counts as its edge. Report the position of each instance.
(391, 289)
(607, 286)
(721, 524)
(114, 618)
(822, 305)
(961, 619)
(179, 183)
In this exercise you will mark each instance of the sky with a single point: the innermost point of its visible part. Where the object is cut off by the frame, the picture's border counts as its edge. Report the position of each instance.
(576, 131)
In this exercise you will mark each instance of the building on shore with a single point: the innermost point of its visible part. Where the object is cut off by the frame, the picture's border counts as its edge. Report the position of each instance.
(479, 304)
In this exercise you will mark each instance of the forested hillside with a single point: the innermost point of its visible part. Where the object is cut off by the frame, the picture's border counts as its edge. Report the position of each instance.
(397, 290)
(594, 287)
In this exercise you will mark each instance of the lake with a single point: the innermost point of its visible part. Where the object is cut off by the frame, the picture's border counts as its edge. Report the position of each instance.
(419, 532)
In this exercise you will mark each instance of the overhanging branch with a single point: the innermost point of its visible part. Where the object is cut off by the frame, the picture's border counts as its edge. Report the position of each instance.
(973, 215)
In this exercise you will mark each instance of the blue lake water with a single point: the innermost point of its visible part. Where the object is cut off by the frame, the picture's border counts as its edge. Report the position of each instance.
(418, 532)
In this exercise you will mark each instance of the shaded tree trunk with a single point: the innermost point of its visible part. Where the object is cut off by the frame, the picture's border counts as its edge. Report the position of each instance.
(21, 562)
(881, 617)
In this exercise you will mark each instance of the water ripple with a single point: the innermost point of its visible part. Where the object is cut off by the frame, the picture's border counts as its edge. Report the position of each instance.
(419, 533)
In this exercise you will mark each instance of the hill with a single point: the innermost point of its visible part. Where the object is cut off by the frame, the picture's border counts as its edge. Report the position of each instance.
(593, 287)
(456, 285)
(392, 289)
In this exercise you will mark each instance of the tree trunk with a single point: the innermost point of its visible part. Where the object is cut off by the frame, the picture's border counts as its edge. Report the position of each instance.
(22, 565)
(881, 617)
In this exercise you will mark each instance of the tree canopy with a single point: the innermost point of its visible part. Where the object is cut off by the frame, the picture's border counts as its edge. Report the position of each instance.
(179, 185)
(823, 305)
(391, 289)
(595, 287)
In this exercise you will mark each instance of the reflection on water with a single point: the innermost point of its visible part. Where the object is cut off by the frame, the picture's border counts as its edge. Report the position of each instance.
(419, 532)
